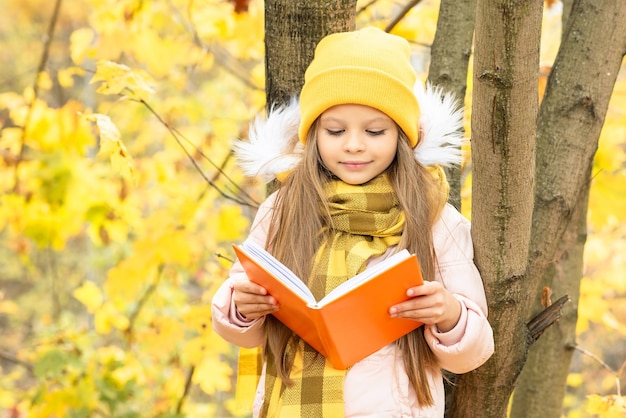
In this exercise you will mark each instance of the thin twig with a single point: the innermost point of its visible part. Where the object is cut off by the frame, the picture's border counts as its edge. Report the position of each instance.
(144, 298)
(188, 381)
(219, 168)
(615, 373)
(40, 69)
(11, 358)
(366, 6)
(406, 9)
(220, 255)
(593, 356)
(224, 58)
(176, 136)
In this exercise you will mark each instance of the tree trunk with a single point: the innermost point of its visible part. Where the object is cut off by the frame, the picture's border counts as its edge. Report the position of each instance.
(542, 383)
(449, 59)
(504, 115)
(571, 117)
(292, 30)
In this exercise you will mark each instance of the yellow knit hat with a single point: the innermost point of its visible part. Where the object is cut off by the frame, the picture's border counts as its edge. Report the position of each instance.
(367, 67)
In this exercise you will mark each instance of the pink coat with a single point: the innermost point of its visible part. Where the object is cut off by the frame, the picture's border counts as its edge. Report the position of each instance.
(378, 386)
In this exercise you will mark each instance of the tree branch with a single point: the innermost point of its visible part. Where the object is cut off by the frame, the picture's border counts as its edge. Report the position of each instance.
(223, 57)
(179, 405)
(11, 358)
(144, 298)
(545, 318)
(177, 136)
(366, 6)
(42, 66)
(406, 9)
(222, 256)
(615, 373)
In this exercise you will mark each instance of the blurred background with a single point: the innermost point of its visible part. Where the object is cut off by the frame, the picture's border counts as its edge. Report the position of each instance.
(121, 199)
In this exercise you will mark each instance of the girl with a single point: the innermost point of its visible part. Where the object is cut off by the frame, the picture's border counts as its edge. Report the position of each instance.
(362, 183)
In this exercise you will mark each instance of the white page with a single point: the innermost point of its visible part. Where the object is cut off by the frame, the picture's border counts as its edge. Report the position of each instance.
(279, 270)
(365, 276)
(282, 273)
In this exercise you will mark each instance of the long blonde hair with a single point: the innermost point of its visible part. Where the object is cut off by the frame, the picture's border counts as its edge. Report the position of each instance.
(294, 237)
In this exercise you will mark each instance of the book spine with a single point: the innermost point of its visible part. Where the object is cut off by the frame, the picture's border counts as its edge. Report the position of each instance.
(324, 332)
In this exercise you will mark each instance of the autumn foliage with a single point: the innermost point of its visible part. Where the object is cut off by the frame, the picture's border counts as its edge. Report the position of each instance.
(121, 199)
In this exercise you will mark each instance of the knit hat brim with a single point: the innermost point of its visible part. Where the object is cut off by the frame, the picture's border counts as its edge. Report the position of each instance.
(273, 149)
(363, 86)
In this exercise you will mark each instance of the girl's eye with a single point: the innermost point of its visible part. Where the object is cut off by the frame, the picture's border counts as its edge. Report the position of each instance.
(376, 133)
(334, 132)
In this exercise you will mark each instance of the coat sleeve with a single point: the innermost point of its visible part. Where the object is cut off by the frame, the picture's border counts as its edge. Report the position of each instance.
(470, 343)
(226, 321)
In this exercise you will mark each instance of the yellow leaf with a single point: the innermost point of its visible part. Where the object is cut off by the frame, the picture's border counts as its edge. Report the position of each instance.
(194, 350)
(175, 384)
(131, 370)
(231, 224)
(198, 318)
(107, 317)
(258, 79)
(213, 375)
(174, 248)
(160, 54)
(81, 45)
(225, 128)
(611, 406)
(128, 278)
(8, 307)
(162, 337)
(111, 145)
(110, 353)
(89, 295)
(208, 345)
(118, 79)
(574, 379)
(214, 22)
(66, 76)
(44, 81)
(7, 398)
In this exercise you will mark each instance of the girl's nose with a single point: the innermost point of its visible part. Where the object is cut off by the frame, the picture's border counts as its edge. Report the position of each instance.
(354, 143)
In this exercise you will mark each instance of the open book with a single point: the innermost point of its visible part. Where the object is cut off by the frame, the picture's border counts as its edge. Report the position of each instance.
(350, 322)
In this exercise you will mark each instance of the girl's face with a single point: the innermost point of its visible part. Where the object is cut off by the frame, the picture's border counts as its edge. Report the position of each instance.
(356, 142)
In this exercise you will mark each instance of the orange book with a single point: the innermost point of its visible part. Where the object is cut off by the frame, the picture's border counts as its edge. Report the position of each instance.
(352, 321)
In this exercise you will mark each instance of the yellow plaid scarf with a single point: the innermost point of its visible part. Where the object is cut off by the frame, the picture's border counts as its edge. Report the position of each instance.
(366, 221)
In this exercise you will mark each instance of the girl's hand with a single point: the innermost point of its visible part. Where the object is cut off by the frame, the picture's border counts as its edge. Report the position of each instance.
(252, 300)
(430, 303)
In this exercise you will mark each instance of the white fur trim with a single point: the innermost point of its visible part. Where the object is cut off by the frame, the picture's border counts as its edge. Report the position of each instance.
(441, 123)
(267, 152)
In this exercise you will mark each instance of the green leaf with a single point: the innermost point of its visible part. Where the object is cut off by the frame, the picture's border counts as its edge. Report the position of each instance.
(52, 363)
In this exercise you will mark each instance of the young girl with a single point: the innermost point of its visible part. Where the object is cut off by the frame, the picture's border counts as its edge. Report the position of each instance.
(362, 183)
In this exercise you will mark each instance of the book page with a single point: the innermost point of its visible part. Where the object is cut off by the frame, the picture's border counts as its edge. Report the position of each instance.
(364, 276)
(279, 270)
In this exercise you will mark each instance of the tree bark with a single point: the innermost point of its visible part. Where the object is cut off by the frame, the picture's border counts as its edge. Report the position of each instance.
(504, 115)
(569, 125)
(449, 61)
(292, 30)
(542, 383)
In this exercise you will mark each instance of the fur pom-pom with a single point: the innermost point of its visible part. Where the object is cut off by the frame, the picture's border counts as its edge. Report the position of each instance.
(273, 145)
(441, 123)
